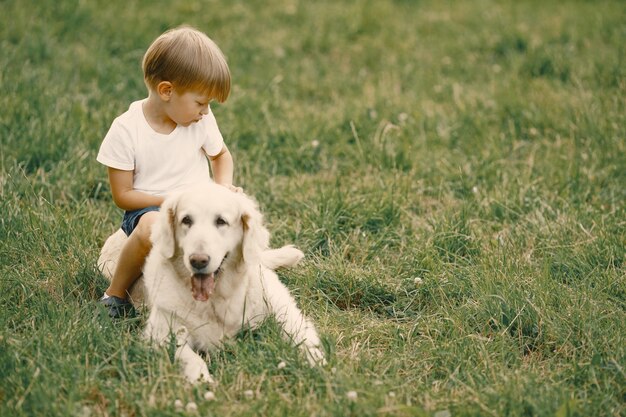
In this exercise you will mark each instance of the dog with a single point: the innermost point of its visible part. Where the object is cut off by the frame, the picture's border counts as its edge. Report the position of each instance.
(210, 274)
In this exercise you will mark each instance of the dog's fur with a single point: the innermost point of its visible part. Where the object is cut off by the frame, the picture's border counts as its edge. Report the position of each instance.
(210, 274)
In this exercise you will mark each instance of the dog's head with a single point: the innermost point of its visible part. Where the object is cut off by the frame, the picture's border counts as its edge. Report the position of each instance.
(207, 227)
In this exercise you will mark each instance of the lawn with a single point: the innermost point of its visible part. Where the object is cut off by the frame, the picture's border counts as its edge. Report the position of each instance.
(454, 172)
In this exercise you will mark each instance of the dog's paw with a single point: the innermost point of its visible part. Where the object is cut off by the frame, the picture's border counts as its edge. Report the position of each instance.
(206, 378)
(315, 356)
(197, 372)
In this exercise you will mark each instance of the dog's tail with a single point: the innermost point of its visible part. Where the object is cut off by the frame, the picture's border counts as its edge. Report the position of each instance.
(282, 257)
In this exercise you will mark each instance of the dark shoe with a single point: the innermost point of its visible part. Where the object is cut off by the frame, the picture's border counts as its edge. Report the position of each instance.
(118, 308)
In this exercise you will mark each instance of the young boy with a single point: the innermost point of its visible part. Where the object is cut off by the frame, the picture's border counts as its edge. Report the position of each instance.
(161, 144)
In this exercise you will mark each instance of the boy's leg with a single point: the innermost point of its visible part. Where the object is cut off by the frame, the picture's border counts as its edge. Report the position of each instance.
(132, 257)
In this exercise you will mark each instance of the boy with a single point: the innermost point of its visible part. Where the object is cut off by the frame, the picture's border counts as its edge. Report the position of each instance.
(161, 144)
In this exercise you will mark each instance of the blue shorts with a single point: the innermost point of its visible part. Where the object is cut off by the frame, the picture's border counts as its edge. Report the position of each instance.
(131, 218)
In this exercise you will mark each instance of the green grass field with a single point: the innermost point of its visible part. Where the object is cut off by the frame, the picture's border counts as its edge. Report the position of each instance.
(454, 171)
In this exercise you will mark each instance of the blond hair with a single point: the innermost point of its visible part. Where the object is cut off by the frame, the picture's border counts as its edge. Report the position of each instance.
(190, 60)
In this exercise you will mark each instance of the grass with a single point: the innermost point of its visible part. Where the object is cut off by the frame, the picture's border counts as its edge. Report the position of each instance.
(454, 172)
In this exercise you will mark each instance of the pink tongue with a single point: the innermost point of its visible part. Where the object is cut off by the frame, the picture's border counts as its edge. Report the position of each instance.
(202, 286)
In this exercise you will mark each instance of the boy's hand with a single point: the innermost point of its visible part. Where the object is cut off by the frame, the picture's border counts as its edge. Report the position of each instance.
(234, 188)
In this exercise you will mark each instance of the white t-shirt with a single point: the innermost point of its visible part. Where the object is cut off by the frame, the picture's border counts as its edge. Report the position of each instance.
(161, 163)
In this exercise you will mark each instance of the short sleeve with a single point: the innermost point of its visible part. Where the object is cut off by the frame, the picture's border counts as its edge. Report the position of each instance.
(117, 149)
(213, 142)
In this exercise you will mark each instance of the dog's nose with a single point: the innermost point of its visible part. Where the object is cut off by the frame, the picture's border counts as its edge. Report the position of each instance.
(199, 261)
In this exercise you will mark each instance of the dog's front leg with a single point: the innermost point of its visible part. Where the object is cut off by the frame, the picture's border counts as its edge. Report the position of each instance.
(158, 329)
(194, 367)
(299, 329)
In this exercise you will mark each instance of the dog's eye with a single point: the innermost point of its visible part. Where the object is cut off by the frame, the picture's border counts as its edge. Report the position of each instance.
(220, 221)
(187, 221)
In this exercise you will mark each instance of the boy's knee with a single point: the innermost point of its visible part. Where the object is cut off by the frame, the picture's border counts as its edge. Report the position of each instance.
(144, 227)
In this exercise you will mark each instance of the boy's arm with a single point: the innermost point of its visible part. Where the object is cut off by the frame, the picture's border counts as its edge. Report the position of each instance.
(223, 167)
(124, 196)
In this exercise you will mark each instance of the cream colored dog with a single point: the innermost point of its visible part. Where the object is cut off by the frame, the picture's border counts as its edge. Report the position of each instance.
(210, 273)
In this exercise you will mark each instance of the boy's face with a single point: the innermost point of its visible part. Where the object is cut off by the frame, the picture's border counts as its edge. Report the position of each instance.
(188, 107)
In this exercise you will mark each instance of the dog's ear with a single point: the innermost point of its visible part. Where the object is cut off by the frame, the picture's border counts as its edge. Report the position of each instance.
(163, 234)
(256, 238)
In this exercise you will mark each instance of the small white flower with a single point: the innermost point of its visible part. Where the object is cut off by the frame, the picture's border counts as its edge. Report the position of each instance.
(352, 395)
(391, 394)
(178, 404)
(403, 117)
(282, 365)
(533, 131)
(248, 394)
(475, 189)
(279, 52)
(291, 9)
(85, 411)
(418, 281)
(315, 143)
(333, 370)
(191, 407)
(209, 396)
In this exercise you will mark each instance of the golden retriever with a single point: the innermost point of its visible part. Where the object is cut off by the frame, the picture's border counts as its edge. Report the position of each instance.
(210, 274)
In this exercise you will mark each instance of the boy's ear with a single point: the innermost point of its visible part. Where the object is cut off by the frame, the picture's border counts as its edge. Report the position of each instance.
(164, 90)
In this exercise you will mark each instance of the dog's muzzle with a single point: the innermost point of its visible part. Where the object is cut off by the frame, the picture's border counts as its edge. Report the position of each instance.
(199, 263)
(202, 281)
(202, 286)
